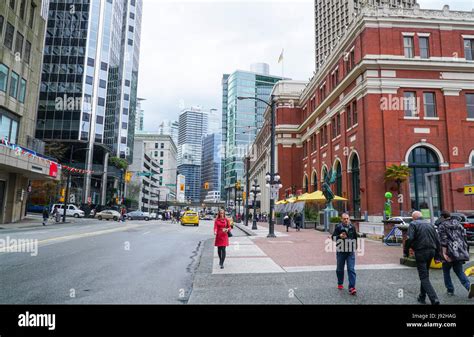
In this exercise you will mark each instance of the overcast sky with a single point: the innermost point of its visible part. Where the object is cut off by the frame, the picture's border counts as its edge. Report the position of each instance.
(187, 45)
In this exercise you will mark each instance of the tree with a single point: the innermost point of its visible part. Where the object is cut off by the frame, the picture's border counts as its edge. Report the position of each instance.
(399, 174)
(56, 150)
(118, 163)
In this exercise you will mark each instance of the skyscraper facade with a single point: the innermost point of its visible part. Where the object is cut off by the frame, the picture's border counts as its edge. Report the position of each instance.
(139, 116)
(89, 82)
(193, 126)
(211, 165)
(241, 119)
(332, 17)
(170, 128)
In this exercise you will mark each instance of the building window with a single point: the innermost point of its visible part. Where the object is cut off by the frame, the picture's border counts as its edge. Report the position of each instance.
(409, 103)
(12, 4)
(156, 153)
(334, 127)
(156, 145)
(8, 128)
(123, 140)
(338, 124)
(100, 120)
(469, 102)
(32, 14)
(354, 113)
(352, 59)
(89, 80)
(1, 25)
(424, 47)
(338, 179)
(21, 96)
(161, 162)
(22, 9)
(124, 125)
(14, 79)
(305, 149)
(469, 49)
(101, 101)
(162, 145)
(27, 54)
(408, 46)
(8, 42)
(19, 43)
(349, 116)
(3, 77)
(430, 104)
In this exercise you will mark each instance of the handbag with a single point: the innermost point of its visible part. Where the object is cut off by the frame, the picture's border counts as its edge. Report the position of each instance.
(229, 234)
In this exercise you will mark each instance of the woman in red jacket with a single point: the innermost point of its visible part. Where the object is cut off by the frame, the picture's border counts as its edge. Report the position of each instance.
(221, 228)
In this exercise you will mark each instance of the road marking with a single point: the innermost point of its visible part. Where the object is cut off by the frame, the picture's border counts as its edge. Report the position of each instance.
(77, 236)
(146, 233)
(333, 267)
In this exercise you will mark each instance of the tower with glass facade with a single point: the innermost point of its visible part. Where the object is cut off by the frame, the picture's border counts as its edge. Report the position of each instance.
(241, 120)
(89, 84)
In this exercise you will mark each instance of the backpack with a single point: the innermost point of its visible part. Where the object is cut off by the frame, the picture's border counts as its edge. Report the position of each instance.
(457, 247)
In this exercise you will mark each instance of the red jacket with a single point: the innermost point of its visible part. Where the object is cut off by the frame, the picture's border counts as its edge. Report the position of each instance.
(222, 239)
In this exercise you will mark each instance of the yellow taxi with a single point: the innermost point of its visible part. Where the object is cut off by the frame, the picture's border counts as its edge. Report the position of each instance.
(190, 218)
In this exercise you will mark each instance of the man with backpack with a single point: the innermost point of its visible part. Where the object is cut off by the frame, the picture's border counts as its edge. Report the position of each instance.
(455, 252)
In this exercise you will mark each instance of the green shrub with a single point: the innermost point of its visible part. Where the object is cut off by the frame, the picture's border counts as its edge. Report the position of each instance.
(310, 214)
(335, 219)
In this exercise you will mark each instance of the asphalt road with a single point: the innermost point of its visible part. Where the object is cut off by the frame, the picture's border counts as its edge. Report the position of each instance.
(102, 262)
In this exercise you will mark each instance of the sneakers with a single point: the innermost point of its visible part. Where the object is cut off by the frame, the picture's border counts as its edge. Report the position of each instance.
(340, 286)
(421, 300)
(450, 293)
(471, 291)
(352, 291)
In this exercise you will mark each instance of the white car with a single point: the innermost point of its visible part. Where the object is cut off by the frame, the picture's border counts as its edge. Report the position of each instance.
(71, 210)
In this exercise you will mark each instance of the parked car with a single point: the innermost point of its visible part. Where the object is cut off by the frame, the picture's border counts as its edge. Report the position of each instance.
(153, 216)
(108, 214)
(190, 218)
(138, 215)
(71, 210)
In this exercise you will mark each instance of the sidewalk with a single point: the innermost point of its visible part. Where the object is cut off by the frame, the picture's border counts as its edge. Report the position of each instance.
(33, 220)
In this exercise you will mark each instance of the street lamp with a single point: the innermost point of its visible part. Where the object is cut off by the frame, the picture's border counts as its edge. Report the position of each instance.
(271, 174)
(255, 193)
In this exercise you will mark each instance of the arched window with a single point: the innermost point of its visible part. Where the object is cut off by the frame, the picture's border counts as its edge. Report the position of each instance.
(315, 181)
(305, 184)
(355, 185)
(338, 179)
(423, 160)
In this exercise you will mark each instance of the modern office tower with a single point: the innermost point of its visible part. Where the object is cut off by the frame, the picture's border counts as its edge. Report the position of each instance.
(89, 86)
(211, 165)
(241, 119)
(193, 126)
(170, 128)
(332, 17)
(155, 154)
(139, 117)
(22, 29)
(215, 124)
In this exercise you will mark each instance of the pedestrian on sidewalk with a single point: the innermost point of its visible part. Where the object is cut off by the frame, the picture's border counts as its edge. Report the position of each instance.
(287, 221)
(455, 252)
(298, 221)
(424, 240)
(45, 215)
(345, 235)
(221, 230)
(56, 214)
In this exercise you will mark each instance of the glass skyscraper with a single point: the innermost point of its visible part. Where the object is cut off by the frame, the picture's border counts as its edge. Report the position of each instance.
(211, 164)
(241, 119)
(89, 81)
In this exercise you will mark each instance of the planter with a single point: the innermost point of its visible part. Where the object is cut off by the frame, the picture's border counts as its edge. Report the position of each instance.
(332, 227)
(309, 224)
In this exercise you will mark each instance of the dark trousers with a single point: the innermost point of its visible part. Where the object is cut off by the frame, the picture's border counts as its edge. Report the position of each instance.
(342, 258)
(221, 253)
(423, 260)
(458, 270)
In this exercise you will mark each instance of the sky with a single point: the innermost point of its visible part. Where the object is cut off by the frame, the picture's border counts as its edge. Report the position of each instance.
(187, 45)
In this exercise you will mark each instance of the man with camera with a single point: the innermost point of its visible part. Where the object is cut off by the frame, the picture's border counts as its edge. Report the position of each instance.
(345, 235)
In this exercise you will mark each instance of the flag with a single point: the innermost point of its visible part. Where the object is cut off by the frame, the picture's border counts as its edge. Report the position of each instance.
(281, 56)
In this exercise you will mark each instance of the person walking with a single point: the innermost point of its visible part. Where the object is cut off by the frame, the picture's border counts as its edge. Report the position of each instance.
(298, 221)
(221, 230)
(287, 221)
(123, 213)
(345, 235)
(56, 214)
(454, 251)
(424, 241)
(45, 215)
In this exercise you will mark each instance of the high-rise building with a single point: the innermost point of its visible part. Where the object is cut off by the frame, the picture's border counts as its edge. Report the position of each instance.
(211, 165)
(22, 29)
(193, 126)
(170, 128)
(139, 117)
(89, 84)
(241, 119)
(332, 17)
(156, 155)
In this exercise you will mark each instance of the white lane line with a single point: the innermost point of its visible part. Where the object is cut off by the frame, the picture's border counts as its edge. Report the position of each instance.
(146, 233)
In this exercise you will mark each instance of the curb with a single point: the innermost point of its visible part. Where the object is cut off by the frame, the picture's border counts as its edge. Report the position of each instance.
(245, 229)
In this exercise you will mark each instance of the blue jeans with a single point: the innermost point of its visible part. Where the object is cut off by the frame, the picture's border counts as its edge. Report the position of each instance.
(458, 270)
(341, 258)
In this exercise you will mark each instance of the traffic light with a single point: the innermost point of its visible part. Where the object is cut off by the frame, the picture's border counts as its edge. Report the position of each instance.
(206, 185)
(128, 177)
(237, 185)
(244, 195)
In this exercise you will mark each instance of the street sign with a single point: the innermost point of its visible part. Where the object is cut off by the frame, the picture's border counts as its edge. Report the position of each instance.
(469, 190)
(274, 194)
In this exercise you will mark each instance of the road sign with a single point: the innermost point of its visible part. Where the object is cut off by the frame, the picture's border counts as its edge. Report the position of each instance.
(469, 190)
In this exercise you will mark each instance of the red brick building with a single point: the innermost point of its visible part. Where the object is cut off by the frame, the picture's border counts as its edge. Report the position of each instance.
(398, 88)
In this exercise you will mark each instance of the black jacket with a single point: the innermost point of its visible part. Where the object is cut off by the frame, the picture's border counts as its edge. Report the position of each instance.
(422, 236)
(352, 234)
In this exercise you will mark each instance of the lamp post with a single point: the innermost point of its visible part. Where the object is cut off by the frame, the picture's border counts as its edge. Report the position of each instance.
(255, 193)
(271, 175)
(247, 185)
